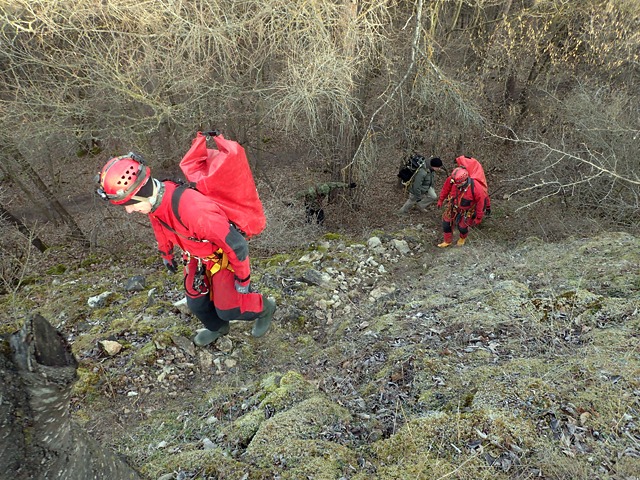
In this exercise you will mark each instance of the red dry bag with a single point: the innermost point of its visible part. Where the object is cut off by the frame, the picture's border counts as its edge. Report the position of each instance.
(475, 170)
(225, 176)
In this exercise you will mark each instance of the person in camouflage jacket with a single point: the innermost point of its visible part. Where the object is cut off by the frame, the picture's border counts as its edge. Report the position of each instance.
(315, 199)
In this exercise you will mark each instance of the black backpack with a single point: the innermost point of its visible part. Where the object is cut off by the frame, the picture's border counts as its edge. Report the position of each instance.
(410, 167)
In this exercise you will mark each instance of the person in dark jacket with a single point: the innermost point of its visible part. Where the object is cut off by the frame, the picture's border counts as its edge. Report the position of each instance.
(215, 254)
(421, 186)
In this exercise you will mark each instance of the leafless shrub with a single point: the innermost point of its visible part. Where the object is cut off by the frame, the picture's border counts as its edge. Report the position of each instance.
(589, 159)
(17, 260)
(286, 228)
(117, 232)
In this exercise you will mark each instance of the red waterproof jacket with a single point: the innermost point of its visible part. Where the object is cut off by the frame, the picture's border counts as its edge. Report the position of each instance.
(471, 199)
(205, 221)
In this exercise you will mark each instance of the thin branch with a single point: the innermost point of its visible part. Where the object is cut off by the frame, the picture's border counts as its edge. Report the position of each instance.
(600, 168)
(414, 50)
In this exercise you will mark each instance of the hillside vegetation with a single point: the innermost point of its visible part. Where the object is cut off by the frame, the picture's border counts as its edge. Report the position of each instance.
(513, 357)
(388, 359)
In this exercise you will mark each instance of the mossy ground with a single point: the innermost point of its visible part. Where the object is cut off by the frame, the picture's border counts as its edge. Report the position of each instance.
(487, 362)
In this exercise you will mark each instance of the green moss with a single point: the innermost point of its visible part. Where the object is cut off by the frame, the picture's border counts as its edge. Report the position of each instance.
(137, 303)
(146, 355)
(9, 327)
(306, 340)
(5, 347)
(271, 382)
(438, 444)
(179, 329)
(122, 324)
(90, 261)
(29, 280)
(242, 430)
(214, 463)
(277, 260)
(57, 270)
(292, 388)
(295, 434)
(163, 339)
(317, 459)
(84, 342)
(332, 236)
(87, 382)
(151, 260)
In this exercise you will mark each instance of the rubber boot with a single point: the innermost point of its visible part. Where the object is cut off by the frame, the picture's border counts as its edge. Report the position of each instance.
(424, 203)
(448, 239)
(406, 207)
(205, 337)
(263, 322)
(461, 241)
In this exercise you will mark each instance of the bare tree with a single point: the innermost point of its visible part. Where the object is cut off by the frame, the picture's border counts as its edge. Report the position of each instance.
(594, 163)
(329, 77)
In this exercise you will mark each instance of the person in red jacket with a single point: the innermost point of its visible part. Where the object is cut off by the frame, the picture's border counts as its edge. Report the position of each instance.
(464, 203)
(215, 254)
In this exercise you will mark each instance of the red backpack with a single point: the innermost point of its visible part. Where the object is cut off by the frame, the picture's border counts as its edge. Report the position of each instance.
(475, 170)
(224, 175)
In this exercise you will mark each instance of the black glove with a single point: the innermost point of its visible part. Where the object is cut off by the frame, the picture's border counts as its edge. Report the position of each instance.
(211, 133)
(171, 265)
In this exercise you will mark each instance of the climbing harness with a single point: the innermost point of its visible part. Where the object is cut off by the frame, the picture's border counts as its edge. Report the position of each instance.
(219, 261)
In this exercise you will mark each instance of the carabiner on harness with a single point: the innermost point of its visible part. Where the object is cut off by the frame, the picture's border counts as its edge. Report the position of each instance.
(199, 284)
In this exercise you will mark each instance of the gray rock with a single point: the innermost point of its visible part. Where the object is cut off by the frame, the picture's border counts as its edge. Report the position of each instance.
(315, 277)
(311, 257)
(136, 284)
(402, 246)
(181, 305)
(374, 242)
(184, 344)
(99, 300)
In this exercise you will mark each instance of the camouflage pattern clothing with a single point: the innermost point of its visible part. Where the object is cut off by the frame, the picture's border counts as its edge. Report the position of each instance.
(314, 199)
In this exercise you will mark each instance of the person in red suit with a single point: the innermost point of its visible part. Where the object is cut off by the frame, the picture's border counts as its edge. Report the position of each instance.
(464, 205)
(215, 254)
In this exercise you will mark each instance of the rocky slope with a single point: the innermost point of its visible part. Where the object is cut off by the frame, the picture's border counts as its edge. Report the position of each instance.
(389, 359)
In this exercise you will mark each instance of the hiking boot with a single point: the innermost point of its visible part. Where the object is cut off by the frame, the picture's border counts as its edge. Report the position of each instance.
(263, 322)
(444, 244)
(205, 336)
(461, 241)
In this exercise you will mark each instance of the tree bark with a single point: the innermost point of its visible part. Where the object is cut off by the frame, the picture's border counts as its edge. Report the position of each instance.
(39, 440)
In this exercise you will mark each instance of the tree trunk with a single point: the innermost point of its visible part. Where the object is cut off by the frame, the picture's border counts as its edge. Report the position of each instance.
(10, 219)
(9, 171)
(39, 440)
(76, 232)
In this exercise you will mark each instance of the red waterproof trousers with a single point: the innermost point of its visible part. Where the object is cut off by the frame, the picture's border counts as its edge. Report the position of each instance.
(220, 289)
